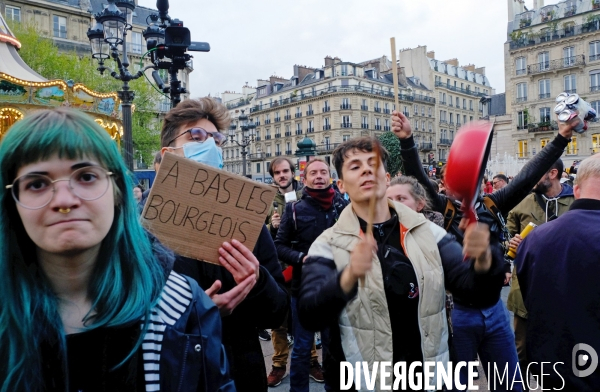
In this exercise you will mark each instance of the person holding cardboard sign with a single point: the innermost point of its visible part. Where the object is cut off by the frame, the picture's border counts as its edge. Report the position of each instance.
(248, 287)
(89, 297)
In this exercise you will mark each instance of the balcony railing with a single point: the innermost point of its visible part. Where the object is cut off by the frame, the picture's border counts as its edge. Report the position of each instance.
(288, 133)
(287, 117)
(257, 123)
(298, 115)
(387, 128)
(277, 135)
(548, 66)
(377, 109)
(364, 126)
(594, 88)
(257, 138)
(387, 111)
(378, 127)
(545, 96)
(346, 125)
(277, 153)
(256, 156)
(267, 121)
(546, 126)
(309, 112)
(458, 89)
(594, 57)
(365, 108)
(277, 119)
(344, 89)
(426, 146)
(345, 107)
(326, 127)
(288, 152)
(298, 131)
(525, 40)
(268, 155)
(521, 99)
(310, 130)
(571, 91)
(446, 142)
(325, 149)
(521, 71)
(268, 137)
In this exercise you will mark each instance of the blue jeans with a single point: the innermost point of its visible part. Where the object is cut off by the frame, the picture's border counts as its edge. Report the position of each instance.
(487, 332)
(300, 363)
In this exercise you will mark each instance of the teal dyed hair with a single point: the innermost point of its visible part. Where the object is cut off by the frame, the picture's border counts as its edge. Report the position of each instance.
(127, 279)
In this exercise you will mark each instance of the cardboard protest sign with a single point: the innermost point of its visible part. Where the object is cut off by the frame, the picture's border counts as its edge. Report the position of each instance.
(193, 208)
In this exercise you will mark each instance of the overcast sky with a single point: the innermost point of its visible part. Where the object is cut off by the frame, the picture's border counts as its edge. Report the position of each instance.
(253, 40)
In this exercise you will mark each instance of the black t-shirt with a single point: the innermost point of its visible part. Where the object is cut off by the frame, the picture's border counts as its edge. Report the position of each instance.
(92, 355)
(401, 290)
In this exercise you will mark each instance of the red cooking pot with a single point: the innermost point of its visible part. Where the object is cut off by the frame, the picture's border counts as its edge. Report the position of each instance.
(466, 164)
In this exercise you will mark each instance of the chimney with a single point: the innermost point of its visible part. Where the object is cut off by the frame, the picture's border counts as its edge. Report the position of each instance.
(480, 71)
(431, 54)
(535, 5)
(470, 67)
(328, 61)
(337, 60)
(452, 62)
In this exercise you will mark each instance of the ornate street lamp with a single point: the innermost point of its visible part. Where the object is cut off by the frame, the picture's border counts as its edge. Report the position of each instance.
(248, 132)
(106, 37)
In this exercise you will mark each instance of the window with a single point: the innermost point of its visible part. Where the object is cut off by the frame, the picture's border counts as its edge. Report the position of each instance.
(522, 151)
(544, 60)
(327, 124)
(345, 138)
(416, 109)
(464, 119)
(277, 149)
(13, 13)
(545, 115)
(521, 66)
(430, 111)
(596, 106)
(430, 127)
(344, 70)
(451, 118)
(346, 121)
(595, 143)
(544, 86)
(59, 26)
(543, 142)
(311, 126)
(521, 92)
(522, 118)
(327, 142)
(136, 42)
(572, 146)
(595, 80)
(450, 100)
(594, 50)
(470, 104)
(258, 168)
(570, 83)
(457, 102)
(288, 147)
(569, 55)
(364, 123)
(464, 103)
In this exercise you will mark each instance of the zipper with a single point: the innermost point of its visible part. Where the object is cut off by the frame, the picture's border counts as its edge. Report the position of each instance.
(183, 363)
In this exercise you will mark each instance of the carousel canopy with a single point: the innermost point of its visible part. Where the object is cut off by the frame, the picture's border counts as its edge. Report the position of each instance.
(10, 61)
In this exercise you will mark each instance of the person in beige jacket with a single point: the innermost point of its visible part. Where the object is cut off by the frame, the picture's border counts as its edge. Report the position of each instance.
(383, 295)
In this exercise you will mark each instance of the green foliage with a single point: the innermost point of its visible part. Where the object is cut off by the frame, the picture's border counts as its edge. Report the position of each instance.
(44, 58)
(390, 141)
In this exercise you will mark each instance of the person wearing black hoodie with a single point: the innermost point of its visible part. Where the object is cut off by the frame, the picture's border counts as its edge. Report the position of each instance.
(302, 222)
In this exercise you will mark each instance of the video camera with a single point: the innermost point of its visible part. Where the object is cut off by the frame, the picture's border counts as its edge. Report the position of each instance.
(169, 39)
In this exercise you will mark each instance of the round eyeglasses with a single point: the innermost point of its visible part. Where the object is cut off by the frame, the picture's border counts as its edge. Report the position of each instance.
(34, 191)
(200, 135)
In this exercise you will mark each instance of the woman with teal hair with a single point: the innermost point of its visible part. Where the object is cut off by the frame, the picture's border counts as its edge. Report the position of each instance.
(89, 299)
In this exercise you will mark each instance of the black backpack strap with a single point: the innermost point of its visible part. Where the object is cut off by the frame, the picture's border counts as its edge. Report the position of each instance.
(449, 214)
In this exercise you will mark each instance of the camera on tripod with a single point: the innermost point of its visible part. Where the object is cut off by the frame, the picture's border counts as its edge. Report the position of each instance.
(169, 39)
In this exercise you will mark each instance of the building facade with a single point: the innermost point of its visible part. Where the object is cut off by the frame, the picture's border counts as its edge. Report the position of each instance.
(551, 49)
(330, 105)
(458, 91)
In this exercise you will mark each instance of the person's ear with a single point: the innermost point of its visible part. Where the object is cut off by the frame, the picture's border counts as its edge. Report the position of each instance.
(340, 185)
(163, 150)
(388, 178)
(577, 191)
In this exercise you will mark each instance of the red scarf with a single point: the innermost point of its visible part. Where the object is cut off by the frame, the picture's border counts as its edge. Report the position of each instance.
(322, 196)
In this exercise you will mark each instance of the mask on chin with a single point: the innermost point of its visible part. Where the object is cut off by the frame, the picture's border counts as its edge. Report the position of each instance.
(206, 152)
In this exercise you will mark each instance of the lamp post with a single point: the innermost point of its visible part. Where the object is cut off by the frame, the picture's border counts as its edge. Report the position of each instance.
(248, 133)
(110, 32)
(306, 147)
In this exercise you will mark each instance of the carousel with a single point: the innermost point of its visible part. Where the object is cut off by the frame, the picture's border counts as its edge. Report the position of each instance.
(22, 90)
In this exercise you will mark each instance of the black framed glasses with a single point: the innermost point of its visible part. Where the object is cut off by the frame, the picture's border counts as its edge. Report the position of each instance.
(200, 135)
(34, 191)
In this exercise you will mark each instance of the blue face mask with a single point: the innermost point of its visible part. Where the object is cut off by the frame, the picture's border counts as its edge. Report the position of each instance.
(206, 152)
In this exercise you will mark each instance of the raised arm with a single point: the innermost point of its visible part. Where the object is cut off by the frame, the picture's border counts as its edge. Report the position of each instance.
(412, 164)
(508, 197)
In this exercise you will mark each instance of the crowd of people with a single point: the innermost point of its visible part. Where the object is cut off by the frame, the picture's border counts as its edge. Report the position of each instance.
(385, 269)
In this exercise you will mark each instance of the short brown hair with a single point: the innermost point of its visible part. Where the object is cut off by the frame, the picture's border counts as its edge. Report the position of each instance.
(363, 144)
(191, 110)
(277, 161)
(313, 161)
